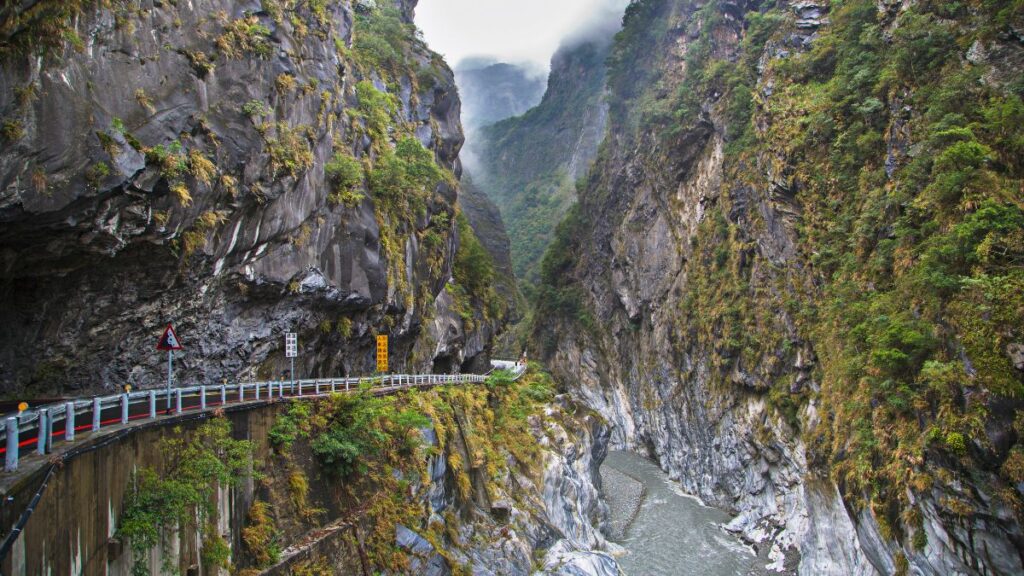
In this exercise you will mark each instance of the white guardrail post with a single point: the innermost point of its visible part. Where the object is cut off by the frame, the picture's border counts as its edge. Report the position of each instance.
(69, 421)
(152, 403)
(11, 460)
(42, 436)
(177, 400)
(223, 395)
(202, 397)
(241, 392)
(97, 410)
(125, 400)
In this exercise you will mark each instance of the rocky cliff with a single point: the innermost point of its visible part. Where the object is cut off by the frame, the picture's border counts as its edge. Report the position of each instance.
(793, 276)
(238, 169)
(489, 479)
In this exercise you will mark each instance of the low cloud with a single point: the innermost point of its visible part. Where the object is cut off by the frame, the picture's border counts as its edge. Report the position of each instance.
(521, 31)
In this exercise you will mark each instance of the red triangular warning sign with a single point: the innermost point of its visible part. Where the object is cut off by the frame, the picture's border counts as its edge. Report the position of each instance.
(169, 341)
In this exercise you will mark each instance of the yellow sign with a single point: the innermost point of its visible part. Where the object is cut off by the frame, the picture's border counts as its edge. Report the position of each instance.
(22, 406)
(382, 353)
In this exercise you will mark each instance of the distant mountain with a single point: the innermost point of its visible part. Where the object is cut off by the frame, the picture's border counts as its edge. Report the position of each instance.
(492, 91)
(529, 164)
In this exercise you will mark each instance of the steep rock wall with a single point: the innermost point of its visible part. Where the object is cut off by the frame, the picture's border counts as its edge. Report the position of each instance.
(172, 163)
(740, 289)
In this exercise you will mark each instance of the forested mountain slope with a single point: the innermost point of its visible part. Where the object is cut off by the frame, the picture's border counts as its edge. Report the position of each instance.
(528, 165)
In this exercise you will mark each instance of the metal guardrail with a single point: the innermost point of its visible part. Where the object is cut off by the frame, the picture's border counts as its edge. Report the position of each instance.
(66, 419)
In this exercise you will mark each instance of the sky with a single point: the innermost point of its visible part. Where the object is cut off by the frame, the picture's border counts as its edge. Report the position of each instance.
(515, 31)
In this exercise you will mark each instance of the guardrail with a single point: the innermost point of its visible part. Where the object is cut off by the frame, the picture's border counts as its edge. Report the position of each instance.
(90, 415)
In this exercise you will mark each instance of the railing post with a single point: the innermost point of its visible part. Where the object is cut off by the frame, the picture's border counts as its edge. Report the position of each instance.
(11, 462)
(346, 384)
(124, 408)
(223, 395)
(96, 411)
(44, 431)
(177, 400)
(316, 387)
(241, 392)
(333, 386)
(280, 390)
(152, 403)
(300, 387)
(202, 397)
(257, 390)
(69, 421)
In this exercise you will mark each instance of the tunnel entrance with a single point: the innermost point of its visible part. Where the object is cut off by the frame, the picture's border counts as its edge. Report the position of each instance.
(443, 365)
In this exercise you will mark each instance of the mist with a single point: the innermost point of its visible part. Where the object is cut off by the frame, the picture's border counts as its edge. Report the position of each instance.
(522, 32)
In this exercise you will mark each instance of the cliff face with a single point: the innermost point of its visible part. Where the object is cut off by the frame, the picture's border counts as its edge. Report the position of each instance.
(497, 480)
(788, 278)
(240, 170)
(529, 164)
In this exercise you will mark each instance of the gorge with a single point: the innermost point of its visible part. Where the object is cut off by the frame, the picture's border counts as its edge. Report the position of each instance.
(773, 248)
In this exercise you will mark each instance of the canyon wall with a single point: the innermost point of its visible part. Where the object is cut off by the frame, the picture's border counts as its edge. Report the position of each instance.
(790, 278)
(238, 169)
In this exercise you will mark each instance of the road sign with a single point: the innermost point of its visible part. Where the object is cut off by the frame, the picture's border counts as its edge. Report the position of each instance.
(382, 353)
(291, 345)
(169, 341)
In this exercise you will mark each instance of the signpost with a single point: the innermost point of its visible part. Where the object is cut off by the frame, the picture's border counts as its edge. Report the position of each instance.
(382, 354)
(291, 350)
(169, 342)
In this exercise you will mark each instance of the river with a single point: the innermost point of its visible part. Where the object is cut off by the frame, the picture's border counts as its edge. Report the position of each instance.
(670, 533)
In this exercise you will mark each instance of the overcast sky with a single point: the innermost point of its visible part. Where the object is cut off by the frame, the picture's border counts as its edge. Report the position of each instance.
(508, 30)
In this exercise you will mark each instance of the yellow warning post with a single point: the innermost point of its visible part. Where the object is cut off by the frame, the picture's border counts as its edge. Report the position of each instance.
(382, 353)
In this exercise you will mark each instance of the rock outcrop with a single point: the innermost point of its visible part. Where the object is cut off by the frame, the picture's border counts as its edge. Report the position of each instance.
(759, 286)
(228, 167)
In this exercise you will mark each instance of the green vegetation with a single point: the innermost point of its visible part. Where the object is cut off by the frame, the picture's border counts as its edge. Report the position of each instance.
(260, 536)
(371, 450)
(97, 173)
(381, 39)
(180, 494)
(473, 272)
(527, 159)
(255, 109)
(244, 37)
(557, 296)
(903, 161)
(12, 131)
(290, 152)
(285, 83)
(345, 174)
(39, 28)
(171, 159)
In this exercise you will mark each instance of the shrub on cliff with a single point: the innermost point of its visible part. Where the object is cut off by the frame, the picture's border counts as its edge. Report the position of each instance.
(181, 492)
